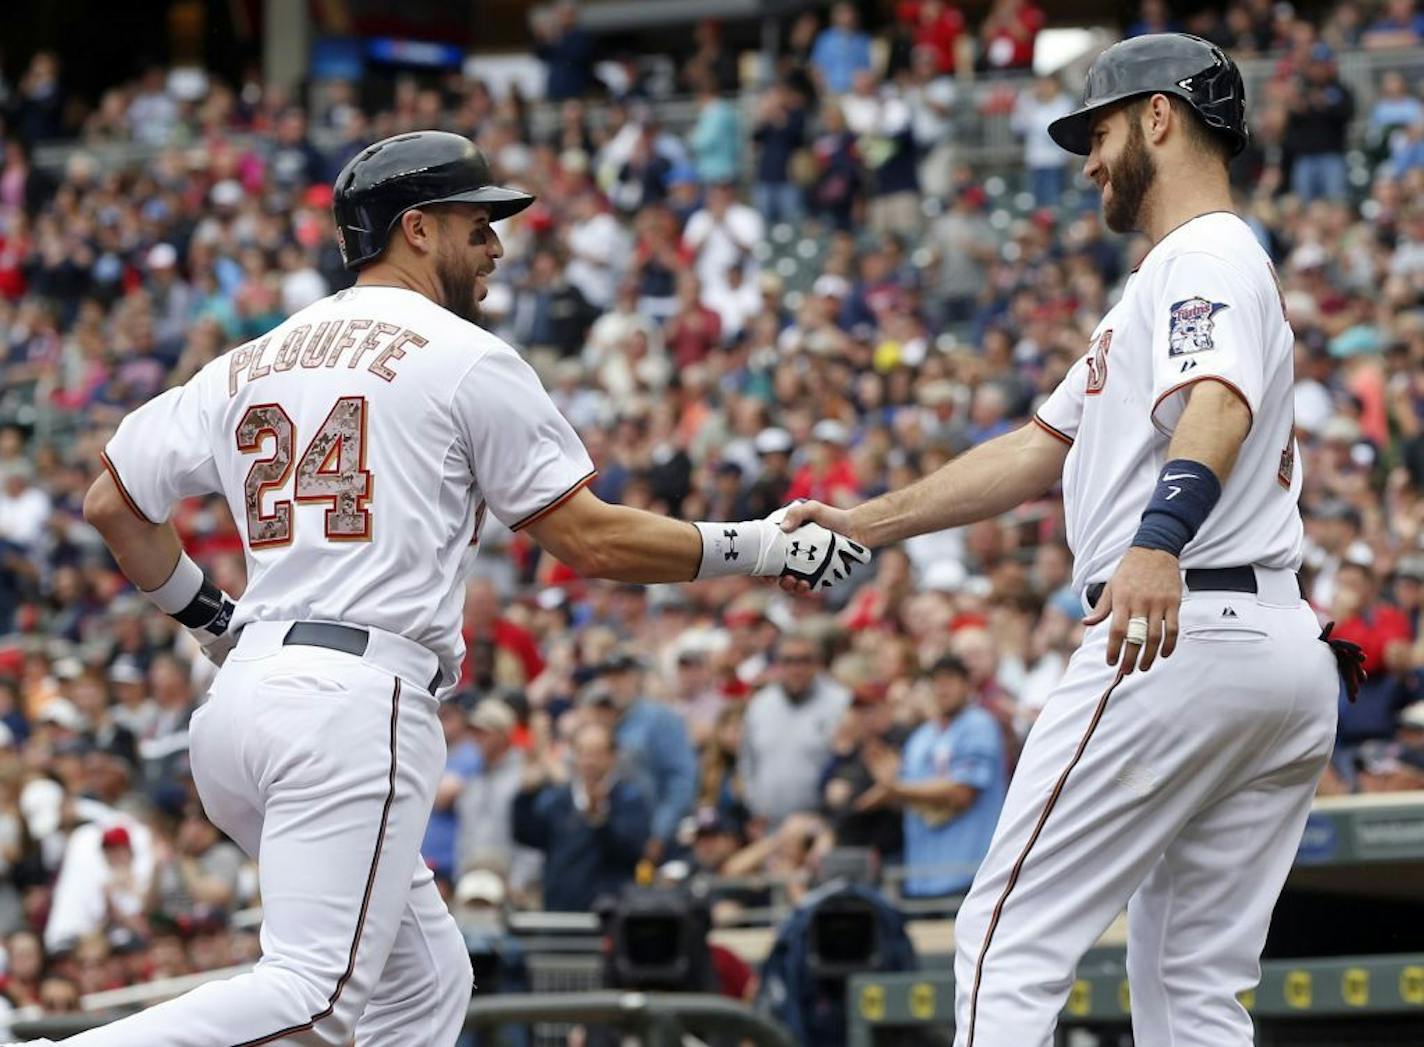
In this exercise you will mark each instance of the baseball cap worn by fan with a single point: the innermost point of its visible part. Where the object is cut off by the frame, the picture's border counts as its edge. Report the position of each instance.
(480, 887)
(491, 714)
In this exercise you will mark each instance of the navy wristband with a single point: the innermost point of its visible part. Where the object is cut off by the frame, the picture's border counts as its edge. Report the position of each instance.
(1186, 493)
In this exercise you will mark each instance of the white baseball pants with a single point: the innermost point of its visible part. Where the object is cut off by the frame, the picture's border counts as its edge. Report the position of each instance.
(1180, 793)
(323, 766)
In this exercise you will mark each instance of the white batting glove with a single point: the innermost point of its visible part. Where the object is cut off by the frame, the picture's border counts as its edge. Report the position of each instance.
(815, 555)
(812, 554)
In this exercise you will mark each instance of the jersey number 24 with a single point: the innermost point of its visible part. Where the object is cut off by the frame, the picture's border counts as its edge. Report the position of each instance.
(332, 470)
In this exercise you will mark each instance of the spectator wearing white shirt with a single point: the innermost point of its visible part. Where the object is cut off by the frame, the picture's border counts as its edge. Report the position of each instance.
(723, 234)
(24, 508)
(598, 250)
(736, 301)
(1045, 160)
(930, 95)
(153, 114)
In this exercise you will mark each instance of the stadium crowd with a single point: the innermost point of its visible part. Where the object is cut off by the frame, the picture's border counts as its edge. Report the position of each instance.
(603, 733)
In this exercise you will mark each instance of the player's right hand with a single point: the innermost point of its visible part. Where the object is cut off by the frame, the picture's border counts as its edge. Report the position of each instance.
(811, 556)
(798, 514)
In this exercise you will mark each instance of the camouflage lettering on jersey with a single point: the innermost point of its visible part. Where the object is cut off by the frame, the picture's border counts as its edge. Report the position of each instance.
(319, 343)
(368, 344)
(353, 331)
(291, 347)
(395, 350)
(1097, 362)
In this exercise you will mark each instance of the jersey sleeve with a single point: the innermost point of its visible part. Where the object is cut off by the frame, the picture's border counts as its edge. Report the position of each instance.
(1208, 323)
(1060, 414)
(524, 455)
(163, 452)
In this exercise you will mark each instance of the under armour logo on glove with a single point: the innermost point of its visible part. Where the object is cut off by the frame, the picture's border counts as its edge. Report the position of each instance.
(818, 556)
(731, 553)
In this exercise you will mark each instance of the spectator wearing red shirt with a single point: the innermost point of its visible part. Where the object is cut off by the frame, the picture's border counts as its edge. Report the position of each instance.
(1007, 35)
(935, 25)
(1384, 634)
(694, 330)
(829, 475)
(497, 651)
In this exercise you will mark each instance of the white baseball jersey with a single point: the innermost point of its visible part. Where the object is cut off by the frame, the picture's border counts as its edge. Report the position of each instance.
(358, 445)
(1204, 304)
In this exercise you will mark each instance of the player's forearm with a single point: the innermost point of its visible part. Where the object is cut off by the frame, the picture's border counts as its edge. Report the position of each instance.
(145, 552)
(981, 483)
(1212, 428)
(630, 545)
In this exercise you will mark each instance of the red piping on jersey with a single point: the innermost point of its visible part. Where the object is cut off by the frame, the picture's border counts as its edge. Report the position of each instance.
(1033, 839)
(1193, 381)
(536, 517)
(123, 491)
(1057, 434)
(365, 898)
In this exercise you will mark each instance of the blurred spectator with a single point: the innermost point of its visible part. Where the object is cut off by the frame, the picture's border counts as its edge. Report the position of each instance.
(1320, 111)
(1385, 635)
(1007, 35)
(829, 474)
(1399, 765)
(1153, 16)
(839, 174)
(850, 799)
(1399, 25)
(715, 140)
(565, 49)
(652, 740)
(163, 750)
(881, 119)
(779, 133)
(929, 91)
(936, 29)
(39, 114)
(841, 50)
(498, 652)
(950, 782)
(1047, 163)
(593, 829)
(462, 763)
(723, 235)
(197, 874)
(786, 738)
(485, 804)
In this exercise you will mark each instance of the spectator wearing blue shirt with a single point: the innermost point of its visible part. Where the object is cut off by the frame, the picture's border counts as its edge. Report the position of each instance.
(716, 137)
(949, 781)
(567, 52)
(1400, 25)
(462, 763)
(652, 737)
(592, 828)
(841, 50)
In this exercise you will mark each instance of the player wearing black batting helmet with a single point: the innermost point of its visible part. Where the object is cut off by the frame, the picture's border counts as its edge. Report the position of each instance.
(1177, 64)
(385, 180)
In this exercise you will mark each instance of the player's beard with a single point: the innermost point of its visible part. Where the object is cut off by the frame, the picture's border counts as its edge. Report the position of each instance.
(456, 276)
(1131, 177)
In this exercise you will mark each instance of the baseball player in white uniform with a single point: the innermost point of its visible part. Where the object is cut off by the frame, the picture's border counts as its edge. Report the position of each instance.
(359, 446)
(1179, 792)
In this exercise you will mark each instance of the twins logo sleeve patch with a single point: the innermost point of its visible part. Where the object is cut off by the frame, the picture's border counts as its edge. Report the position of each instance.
(1192, 327)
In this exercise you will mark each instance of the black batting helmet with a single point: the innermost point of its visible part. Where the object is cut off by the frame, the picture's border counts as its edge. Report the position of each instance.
(1189, 67)
(385, 180)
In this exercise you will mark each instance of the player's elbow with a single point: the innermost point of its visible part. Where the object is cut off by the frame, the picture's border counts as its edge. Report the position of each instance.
(104, 507)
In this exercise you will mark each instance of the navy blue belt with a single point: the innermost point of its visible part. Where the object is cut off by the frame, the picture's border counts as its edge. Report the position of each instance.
(345, 638)
(1200, 580)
